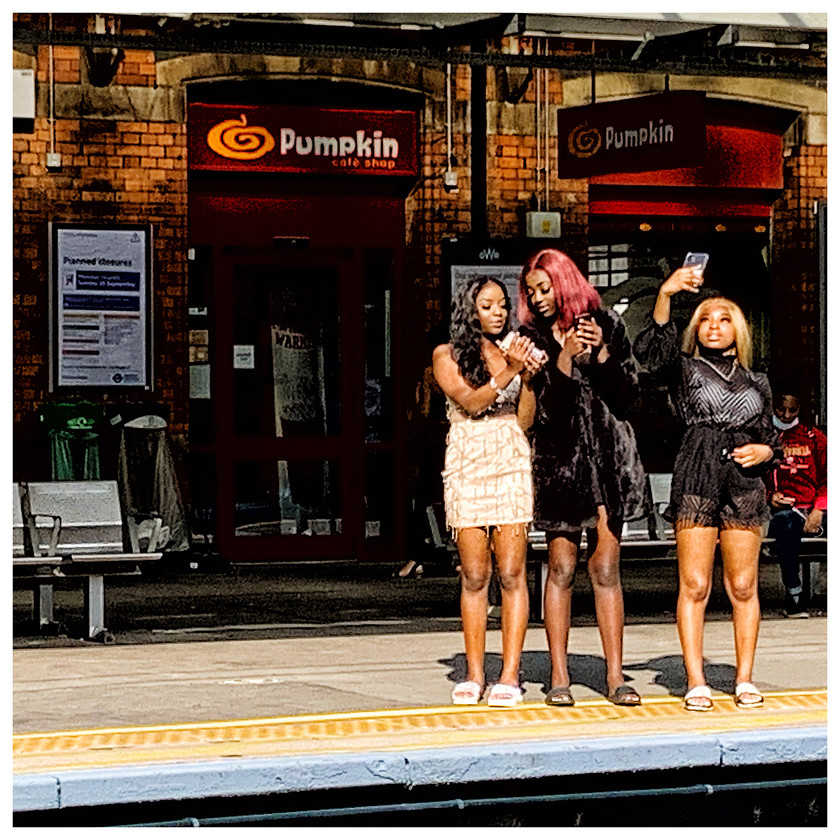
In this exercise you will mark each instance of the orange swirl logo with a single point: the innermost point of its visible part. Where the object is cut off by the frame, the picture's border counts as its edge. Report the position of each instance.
(584, 142)
(238, 140)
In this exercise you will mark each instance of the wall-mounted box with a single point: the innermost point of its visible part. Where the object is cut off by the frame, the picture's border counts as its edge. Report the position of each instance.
(23, 101)
(542, 225)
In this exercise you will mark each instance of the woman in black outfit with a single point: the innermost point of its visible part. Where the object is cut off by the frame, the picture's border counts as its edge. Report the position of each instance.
(586, 467)
(717, 490)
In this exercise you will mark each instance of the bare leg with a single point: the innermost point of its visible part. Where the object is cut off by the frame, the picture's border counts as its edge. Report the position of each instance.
(739, 549)
(603, 549)
(562, 562)
(510, 543)
(474, 551)
(695, 558)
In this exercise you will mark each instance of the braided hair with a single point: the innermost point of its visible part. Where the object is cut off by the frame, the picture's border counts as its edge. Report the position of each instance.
(465, 329)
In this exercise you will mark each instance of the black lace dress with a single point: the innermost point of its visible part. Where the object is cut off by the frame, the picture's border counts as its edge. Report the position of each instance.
(584, 450)
(722, 406)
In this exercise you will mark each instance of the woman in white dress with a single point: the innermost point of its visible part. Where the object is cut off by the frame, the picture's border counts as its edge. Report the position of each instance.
(488, 493)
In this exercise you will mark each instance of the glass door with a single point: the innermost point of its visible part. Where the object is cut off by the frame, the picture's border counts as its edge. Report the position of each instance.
(285, 424)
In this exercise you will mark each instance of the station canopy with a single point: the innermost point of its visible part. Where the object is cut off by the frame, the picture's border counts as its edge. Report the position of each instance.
(769, 45)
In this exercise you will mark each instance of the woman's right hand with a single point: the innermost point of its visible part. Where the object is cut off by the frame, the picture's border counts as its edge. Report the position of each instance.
(682, 280)
(573, 344)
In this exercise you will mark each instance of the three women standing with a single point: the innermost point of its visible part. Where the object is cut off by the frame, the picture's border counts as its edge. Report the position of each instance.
(587, 471)
(488, 492)
(717, 492)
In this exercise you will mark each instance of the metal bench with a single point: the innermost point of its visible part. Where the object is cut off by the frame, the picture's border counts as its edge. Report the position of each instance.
(86, 542)
(439, 538)
(28, 554)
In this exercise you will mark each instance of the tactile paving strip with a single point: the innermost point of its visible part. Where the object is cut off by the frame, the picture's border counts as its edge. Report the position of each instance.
(401, 729)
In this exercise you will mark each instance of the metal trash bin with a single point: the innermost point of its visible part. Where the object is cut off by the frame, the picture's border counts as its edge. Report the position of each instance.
(73, 429)
(147, 480)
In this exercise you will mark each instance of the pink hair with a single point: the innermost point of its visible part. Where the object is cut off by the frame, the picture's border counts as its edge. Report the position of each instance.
(572, 291)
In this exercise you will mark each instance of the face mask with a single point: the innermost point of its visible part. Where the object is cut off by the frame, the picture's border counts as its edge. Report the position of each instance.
(780, 424)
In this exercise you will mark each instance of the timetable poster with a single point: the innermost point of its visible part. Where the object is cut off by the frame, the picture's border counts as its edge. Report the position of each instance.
(102, 321)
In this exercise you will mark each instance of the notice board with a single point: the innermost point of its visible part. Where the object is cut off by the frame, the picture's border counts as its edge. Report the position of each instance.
(100, 306)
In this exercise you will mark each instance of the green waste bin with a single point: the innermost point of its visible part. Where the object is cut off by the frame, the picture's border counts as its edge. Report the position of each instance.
(74, 436)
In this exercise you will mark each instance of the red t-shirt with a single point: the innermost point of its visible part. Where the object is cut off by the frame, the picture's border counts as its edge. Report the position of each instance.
(802, 472)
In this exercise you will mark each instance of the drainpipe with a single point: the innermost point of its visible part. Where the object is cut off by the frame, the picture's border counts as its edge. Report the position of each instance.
(478, 147)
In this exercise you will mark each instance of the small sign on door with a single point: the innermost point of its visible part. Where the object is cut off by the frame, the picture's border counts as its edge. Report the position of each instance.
(243, 356)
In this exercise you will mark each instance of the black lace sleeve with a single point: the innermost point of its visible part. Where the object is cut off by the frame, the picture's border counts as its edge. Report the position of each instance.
(657, 348)
(616, 380)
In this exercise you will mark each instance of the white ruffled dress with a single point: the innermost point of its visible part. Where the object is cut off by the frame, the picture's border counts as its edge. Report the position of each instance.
(487, 468)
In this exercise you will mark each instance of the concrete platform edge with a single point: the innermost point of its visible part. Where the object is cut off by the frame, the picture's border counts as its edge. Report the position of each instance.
(410, 768)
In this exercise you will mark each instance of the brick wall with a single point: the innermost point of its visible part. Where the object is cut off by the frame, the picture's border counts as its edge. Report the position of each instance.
(795, 270)
(432, 213)
(112, 172)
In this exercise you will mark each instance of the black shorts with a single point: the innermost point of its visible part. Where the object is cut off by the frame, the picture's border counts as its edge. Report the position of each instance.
(711, 490)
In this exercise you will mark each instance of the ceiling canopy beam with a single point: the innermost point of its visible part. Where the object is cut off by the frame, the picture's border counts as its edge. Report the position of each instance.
(708, 51)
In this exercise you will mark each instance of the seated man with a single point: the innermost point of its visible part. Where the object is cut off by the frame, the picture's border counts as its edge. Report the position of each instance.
(797, 494)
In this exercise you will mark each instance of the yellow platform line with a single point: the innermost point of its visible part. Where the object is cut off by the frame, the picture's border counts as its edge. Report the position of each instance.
(400, 729)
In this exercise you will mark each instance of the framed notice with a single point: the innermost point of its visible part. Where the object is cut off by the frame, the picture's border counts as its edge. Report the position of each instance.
(100, 306)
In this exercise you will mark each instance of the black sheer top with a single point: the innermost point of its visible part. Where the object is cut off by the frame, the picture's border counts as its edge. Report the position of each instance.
(709, 390)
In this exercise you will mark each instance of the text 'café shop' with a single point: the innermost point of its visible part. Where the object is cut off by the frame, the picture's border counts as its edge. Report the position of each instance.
(297, 237)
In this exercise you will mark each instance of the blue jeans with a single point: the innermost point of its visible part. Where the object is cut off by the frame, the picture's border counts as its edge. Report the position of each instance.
(786, 528)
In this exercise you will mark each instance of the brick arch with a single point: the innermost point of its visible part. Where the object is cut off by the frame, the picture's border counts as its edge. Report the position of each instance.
(398, 76)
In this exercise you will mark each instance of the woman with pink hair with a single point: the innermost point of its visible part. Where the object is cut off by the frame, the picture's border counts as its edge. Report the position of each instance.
(586, 468)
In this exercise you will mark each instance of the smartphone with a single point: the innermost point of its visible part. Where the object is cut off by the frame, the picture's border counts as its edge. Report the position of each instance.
(696, 260)
(540, 355)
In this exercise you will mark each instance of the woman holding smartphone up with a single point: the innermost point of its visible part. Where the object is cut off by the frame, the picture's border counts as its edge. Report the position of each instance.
(717, 492)
(487, 486)
(587, 470)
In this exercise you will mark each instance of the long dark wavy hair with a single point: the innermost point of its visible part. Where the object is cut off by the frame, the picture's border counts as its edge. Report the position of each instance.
(465, 330)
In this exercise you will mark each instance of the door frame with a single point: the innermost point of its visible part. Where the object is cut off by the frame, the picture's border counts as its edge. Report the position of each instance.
(231, 448)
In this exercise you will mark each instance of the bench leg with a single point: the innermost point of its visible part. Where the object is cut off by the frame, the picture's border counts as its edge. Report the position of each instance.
(42, 595)
(95, 605)
(815, 578)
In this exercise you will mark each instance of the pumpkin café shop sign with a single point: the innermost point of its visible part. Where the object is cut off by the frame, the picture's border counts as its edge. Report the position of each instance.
(663, 131)
(301, 140)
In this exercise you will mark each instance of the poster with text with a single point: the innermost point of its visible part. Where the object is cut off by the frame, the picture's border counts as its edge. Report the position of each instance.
(101, 307)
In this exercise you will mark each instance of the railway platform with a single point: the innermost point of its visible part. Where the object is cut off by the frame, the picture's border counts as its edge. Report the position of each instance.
(332, 726)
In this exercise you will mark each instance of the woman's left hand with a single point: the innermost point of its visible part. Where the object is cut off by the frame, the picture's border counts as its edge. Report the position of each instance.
(532, 366)
(518, 353)
(752, 454)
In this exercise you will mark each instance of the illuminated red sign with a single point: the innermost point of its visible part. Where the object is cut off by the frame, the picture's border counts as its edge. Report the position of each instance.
(662, 131)
(249, 138)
